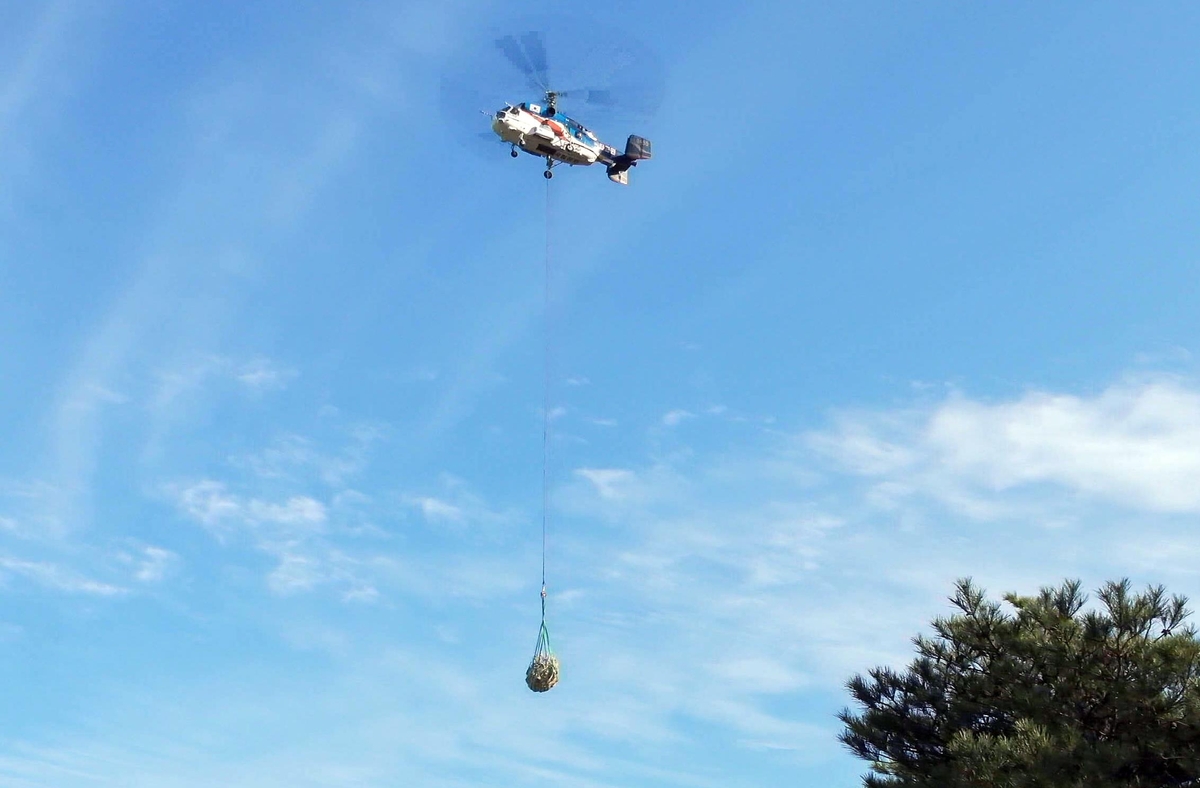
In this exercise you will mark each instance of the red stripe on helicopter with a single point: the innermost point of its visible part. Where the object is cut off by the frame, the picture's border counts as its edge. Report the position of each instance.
(554, 125)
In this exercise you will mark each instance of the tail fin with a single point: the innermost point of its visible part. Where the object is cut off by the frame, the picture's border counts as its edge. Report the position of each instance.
(636, 149)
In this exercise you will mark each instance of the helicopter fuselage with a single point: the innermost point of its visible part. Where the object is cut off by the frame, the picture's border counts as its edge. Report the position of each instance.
(550, 135)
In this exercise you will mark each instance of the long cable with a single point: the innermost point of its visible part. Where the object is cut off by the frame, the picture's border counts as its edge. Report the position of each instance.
(545, 397)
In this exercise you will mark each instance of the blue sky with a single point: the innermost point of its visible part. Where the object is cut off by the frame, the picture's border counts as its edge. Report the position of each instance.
(907, 293)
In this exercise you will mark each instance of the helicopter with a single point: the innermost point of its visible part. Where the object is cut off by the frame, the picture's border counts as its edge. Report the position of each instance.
(540, 129)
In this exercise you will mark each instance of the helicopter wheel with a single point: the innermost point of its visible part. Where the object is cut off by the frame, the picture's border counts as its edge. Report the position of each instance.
(513, 153)
(547, 175)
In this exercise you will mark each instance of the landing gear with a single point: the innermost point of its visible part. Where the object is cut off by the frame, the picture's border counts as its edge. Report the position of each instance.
(547, 175)
(549, 166)
(513, 152)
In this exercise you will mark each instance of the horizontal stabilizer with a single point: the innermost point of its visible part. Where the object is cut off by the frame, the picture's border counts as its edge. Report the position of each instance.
(618, 176)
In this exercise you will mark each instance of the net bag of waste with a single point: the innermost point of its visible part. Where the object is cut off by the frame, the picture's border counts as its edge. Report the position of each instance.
(542, 673)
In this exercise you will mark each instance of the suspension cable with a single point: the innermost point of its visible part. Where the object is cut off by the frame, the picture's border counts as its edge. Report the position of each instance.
(545, 398)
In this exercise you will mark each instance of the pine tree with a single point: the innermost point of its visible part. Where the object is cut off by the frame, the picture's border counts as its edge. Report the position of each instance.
(1040, 695)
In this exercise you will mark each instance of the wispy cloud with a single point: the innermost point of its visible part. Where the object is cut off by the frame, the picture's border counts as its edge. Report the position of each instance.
(673, 418)
(676, 417)
(207, 502)
(32, 72)
(297, 510)
(255, 375)
(295, 530)
(178, 301)
(295, 458)
(435, 509)
(457, 503)
(57, 578)
(210, 503)
(262, 374)
(154, 564)
(610, 483)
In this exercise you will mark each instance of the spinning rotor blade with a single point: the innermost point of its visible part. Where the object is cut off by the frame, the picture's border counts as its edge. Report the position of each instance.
(616, 82)
(526, 62)
(535, 50)
(595, 97)
(638, 94)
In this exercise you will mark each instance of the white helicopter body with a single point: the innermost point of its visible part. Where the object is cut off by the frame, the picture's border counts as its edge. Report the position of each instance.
(543, 131)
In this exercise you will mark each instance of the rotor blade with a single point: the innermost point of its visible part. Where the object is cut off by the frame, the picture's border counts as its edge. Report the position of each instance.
(535, 50)
(633, 86)
(512, 50)
(603, 98)
(595, 96)
(598, 98)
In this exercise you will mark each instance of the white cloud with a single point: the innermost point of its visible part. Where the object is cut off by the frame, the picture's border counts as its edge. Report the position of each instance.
(295, 573)
(1163, 357)
(297, 510)
(34, 77)
(286, 455)
(184, 378)
(101, 393)
(458, 504)
(319, 547)
(435, 509)
(190, 376)
(295, 458)
(1135, 444)
(675, 417)
(859, 448)
(208, 502)
(262, 374)
(154, 564)
(361, 593)
(57, 577)
(292, 530)
(610, 483)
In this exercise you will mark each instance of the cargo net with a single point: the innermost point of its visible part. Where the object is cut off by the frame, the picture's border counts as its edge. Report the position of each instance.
(542, 673)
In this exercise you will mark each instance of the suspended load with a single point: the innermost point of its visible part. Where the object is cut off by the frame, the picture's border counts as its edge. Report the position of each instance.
(542, 673)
